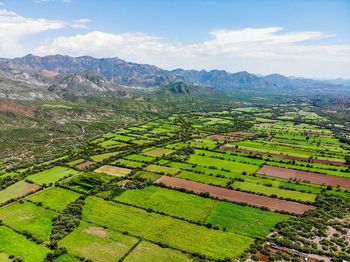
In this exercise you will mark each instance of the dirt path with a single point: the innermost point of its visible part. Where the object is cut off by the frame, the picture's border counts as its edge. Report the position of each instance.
(312, 177)
(273, 204)
(296, 158)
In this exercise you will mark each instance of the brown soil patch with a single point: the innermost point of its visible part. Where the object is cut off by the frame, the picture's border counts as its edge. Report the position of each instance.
(113, 170)
(28, 187)
(85, 165)
(27, 110)
(225, 138)
(96, 231)
(312, 177)
(273, 204)
(296, 158)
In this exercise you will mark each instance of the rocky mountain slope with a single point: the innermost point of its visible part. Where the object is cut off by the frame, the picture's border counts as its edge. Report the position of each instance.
(50, 77)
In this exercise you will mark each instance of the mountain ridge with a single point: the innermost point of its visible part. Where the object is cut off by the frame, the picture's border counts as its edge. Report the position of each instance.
(54, 71)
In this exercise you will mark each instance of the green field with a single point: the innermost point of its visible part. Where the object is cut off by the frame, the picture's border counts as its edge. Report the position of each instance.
(232, 156)
(122, 138)
(101, 157)
(128, 163)
(55, 198)
(204, 143)
(235, 167)
(158, 152)
(162, 169)
(234, 218)
(170, 202)
(112, 144)
(140, 158)
(211, 180)
(173, 232)
(265, 190)
(67, 258)
(146, 251)
(97, 243)
(249, 221)
(12, 243)
(29, 217)
(51, 175)
(147, 175)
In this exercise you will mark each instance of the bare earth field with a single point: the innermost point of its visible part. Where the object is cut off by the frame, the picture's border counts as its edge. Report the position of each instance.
(237, 196)
(320, 161)
(85, 165)
(312, 177)
(113, 170)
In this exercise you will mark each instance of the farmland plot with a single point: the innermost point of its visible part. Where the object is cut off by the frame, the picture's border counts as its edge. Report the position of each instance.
(16, 190)
(29, 217)
(13, 243)
(97, 243)
(55, 198)
(175, 233)
(51, 175)
(113, 170)
(147, 251)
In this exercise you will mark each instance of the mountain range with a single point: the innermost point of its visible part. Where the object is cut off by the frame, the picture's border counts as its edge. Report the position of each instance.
(56, 76)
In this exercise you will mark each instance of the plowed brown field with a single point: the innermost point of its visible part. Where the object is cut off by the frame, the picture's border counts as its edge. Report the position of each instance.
(312, 177)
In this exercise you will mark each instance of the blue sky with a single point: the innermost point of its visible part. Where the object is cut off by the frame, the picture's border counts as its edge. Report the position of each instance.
(302, 38)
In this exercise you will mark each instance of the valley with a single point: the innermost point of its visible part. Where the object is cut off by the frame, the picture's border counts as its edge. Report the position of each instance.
(201, 186)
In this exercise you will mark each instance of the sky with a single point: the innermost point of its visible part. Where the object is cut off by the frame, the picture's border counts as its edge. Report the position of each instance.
(309, 38)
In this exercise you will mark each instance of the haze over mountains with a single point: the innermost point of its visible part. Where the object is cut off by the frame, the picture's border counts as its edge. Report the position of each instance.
(56, 76)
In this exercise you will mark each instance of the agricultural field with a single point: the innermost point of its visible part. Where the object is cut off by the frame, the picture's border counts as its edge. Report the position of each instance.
(51, 175)
(97, 243)
(14, 244)
(157, 152)
(16, 190)
(168, 190)
(146, 251)
(30, 218)
(173, 232)
(113, 170)
(55, 198)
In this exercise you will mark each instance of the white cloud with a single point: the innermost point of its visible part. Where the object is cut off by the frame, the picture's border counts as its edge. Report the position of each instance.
(14, 28)
(261, 50)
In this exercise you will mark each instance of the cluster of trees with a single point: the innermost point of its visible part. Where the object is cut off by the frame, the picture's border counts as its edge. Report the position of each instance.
(67, 221)
(301, 232)
(181, 154)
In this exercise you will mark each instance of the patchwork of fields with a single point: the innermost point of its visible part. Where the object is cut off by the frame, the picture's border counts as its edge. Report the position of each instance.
(162, 191)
